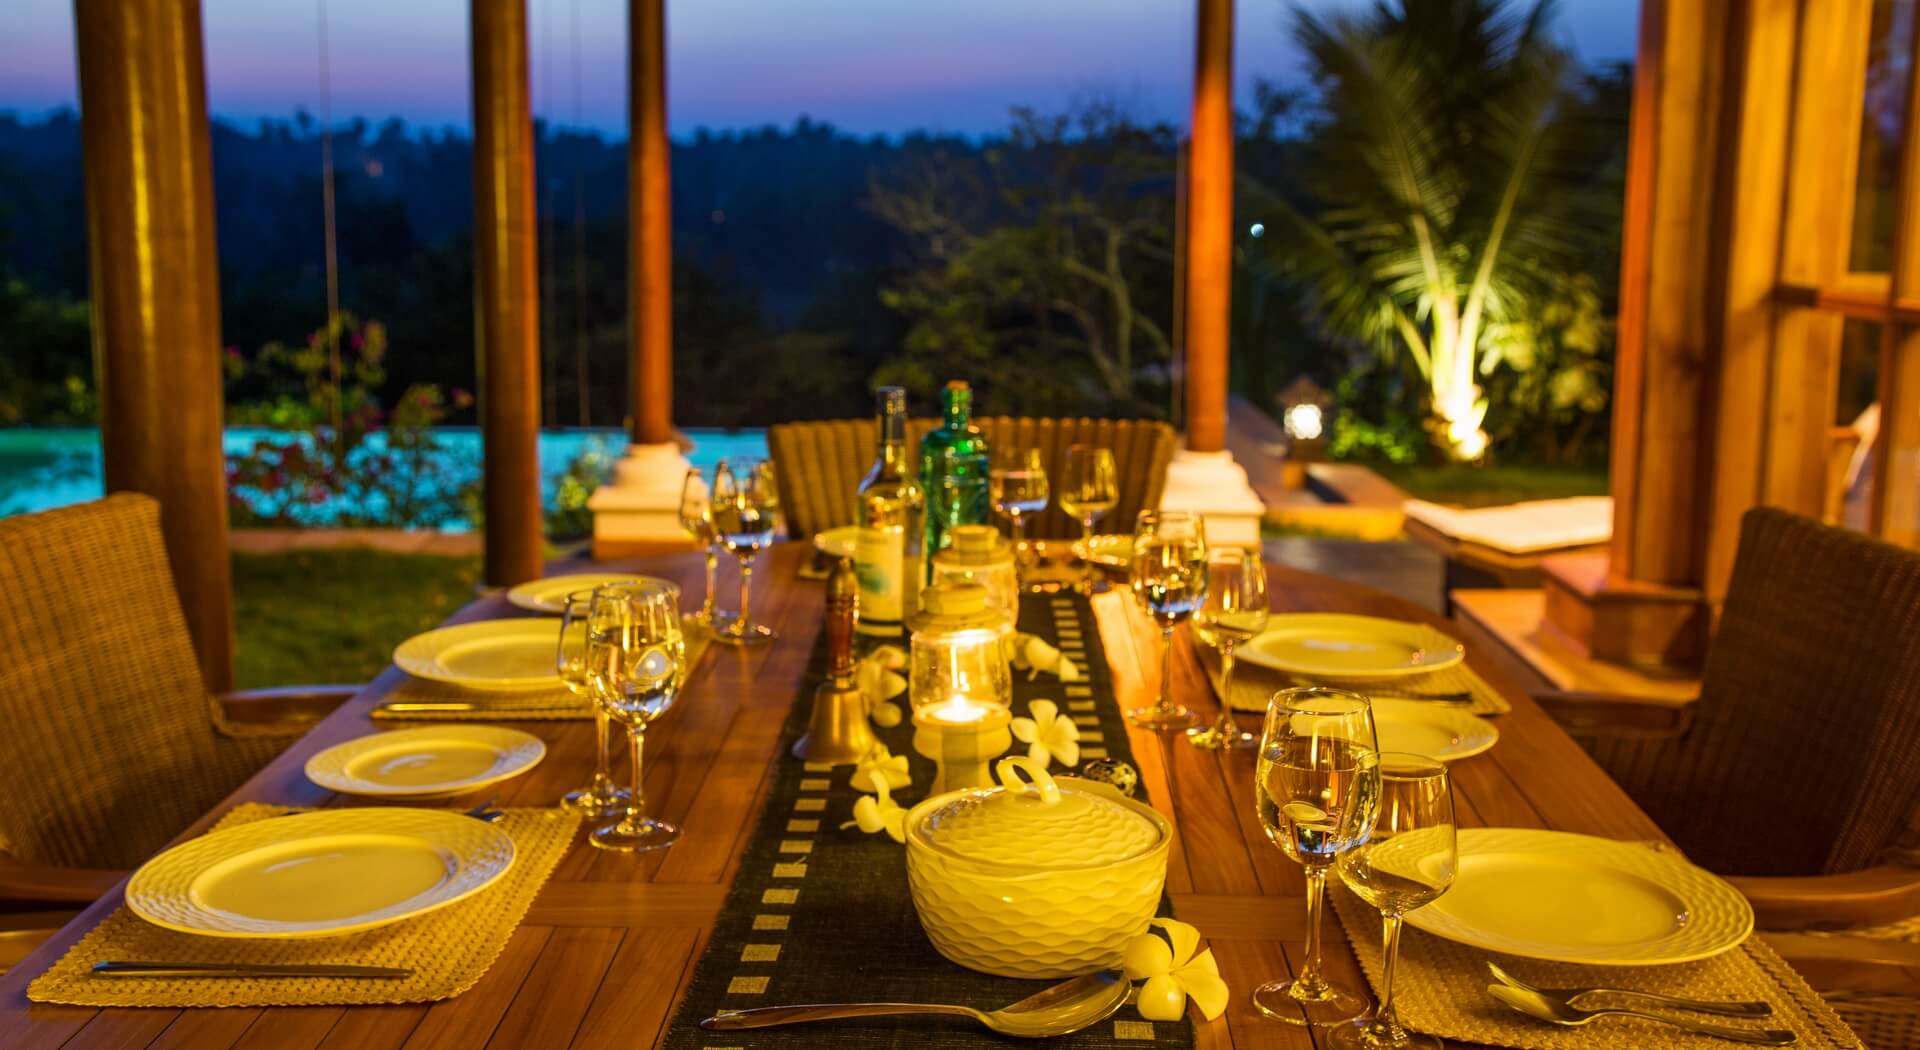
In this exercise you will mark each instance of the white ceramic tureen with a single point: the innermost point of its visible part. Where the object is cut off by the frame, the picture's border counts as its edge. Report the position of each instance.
(1036, 880)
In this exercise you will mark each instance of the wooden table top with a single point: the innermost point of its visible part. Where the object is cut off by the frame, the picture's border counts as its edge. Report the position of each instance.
(606, 950)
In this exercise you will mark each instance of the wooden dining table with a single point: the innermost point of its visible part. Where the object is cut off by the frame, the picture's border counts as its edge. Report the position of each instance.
(609, 945)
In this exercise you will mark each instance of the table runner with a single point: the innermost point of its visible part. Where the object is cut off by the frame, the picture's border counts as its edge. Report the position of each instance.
(448, 949)
(1441, 988)
(821, 914)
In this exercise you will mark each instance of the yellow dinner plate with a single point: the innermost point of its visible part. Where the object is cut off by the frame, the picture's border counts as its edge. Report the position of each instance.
(492, 654)
(549, 595)
(1437, 731)
(1341, 645)
(837, 543)
(1579, 899)
(319, 874)
(430, 762)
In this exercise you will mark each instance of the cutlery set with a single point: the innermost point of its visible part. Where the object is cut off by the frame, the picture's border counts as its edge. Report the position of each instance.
(1555, 1005)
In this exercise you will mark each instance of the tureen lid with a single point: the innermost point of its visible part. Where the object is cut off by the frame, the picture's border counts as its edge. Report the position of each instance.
(1039, 826)
(976, 546)
(955, 605)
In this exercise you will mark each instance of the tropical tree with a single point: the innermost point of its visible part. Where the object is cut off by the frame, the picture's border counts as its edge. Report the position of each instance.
(1448, 174)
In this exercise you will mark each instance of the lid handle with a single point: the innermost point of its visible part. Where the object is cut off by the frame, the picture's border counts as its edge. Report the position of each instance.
(1009, 779)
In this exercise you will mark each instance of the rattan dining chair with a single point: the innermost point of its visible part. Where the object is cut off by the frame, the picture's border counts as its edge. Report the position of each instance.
(1798, 773)
(819, 465)
(113, 743)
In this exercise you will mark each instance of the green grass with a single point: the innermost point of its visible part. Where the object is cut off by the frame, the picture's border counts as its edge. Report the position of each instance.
(307, 617)
(1471, 486)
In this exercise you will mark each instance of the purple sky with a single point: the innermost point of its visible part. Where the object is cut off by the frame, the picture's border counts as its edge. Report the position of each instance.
(864, 65)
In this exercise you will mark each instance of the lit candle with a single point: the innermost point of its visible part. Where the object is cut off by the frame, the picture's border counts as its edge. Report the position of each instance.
(958, 710)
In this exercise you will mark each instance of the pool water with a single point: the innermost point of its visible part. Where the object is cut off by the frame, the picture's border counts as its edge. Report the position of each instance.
(41, 468)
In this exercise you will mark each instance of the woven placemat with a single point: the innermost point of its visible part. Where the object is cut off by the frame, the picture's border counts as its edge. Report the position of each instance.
(821, 913)
(528, 706)
(1441, 988)
(448, 949)
(1254, 685)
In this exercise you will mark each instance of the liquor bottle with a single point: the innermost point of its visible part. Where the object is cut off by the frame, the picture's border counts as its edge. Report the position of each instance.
(954, 470)
(889, 510)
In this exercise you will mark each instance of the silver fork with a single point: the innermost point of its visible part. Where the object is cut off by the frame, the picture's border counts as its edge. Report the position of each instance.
(1568, 995)
(1557, 1012)
(486, 811)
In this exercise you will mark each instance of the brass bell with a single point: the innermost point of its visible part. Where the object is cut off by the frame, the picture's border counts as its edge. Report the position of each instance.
(837, 731)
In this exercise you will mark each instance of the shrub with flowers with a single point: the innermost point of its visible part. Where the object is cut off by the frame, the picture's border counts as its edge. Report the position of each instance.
(336, 454)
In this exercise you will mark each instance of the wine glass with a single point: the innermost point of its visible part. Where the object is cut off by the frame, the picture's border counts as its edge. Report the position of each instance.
(601, 797)
(696, 516)
(1235, 612)
(636, 660)
(1017, 485)
(1089, 489)
(1170, 581)
(1409, 861)
(1317, 790)
(745, 514)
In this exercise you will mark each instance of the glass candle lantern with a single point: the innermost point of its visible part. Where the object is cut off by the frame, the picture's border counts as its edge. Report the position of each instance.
(978, 555)
(959, 683)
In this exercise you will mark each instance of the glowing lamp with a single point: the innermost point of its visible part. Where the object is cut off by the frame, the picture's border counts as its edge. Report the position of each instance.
(959, 683)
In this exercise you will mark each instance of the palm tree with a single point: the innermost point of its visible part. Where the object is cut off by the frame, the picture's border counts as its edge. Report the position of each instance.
(1446, 174)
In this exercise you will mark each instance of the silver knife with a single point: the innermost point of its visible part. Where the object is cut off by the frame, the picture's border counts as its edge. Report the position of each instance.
(124, 968)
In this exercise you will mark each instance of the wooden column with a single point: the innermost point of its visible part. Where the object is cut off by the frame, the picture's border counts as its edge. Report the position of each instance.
(156, 291)
(650, 211)
(506, 310)
(1208, 271)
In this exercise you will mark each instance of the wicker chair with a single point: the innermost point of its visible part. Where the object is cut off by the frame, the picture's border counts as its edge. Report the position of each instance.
(113, 743)
(820, 464)
(1798, 775)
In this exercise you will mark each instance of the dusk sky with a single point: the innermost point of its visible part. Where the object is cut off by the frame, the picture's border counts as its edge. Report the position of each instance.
(863, 65)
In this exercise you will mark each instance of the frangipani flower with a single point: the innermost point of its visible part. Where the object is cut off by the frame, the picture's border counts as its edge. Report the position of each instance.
(879, 812)
(1048, 735)
(1033, 655)
(879, 766)
(880, 681)
(1174, 973)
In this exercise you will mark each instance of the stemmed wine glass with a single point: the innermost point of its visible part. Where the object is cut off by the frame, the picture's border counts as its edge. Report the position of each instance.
(745, 514)
(1235, 611)
(1017, 484)
(1170, 581)
(636, 659)
(696, 516)
(601, 797)
(1089, 489)
(1408, 863)
(1317, 789)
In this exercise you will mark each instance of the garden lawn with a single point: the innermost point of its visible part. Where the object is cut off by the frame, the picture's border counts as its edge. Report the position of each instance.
(324, 616)
(1471, 486)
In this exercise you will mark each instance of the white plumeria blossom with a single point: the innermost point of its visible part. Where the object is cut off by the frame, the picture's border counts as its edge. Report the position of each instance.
(878, 812)
(881, 766)
(1173, 973)
(1048, 735)
(1033, 655)
(880, 681)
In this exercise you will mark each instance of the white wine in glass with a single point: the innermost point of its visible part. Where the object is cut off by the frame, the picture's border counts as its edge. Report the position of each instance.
(1317, 793)
(1017, 485)
(1408, 862)
(1235, 611)
(600, 797)
(1169, 580)
(636, 661)
(696, 517)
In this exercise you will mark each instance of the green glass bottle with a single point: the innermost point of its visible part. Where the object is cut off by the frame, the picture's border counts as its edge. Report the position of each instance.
(953, 471)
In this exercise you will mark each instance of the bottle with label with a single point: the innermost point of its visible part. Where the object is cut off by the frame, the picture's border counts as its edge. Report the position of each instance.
(890, 508)
(954, 469)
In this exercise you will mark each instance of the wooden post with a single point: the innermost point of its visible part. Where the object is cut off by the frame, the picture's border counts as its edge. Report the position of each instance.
(156, 291)
(650, 210)
(507, 310)
(1208, 270)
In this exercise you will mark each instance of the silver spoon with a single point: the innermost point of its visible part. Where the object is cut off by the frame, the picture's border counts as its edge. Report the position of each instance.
(1539, 1006)
(1568, 995)
(1058, 1010)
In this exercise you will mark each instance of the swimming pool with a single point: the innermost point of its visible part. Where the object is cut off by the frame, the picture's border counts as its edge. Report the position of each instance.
(45, 467)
